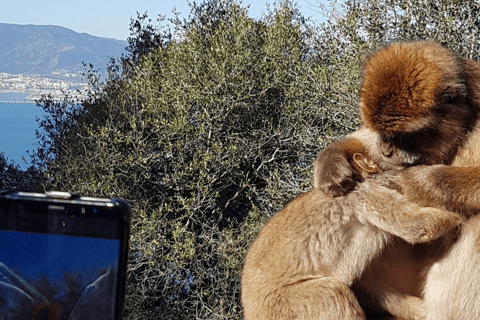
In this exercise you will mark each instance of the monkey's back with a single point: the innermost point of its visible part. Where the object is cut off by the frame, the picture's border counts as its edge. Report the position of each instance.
(300, 244)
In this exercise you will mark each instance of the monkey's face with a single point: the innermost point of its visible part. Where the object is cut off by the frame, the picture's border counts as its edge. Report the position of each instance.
(435, 142)
(409, 149)
(414, 96)
(391, 153)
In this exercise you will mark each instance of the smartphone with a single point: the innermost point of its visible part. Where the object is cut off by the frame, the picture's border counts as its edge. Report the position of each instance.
(62, 256)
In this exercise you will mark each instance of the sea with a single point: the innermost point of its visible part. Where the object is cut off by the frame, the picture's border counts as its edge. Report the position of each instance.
(17, 126)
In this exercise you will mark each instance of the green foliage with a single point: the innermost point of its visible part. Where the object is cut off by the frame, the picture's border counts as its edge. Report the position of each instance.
(210, 126)
(373, 23)
(206, 135)
(13, 178)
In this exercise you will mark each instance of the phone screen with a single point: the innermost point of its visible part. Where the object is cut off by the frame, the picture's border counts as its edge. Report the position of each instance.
(61, 260)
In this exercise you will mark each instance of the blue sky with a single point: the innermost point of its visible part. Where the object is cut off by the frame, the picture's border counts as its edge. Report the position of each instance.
(111, 18)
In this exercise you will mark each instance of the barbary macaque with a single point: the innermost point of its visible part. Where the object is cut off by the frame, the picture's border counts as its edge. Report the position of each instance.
(307, 256)
(421, 100)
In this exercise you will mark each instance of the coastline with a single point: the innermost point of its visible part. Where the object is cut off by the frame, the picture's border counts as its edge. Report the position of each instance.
(21, 88)
(14, 97)
(33, 97)
(18, 102)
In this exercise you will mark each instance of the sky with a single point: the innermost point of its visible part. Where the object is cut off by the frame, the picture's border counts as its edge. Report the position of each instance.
(111, 18)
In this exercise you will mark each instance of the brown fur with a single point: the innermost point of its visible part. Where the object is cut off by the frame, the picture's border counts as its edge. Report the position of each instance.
(422, 100)
(335, 170)
(403, 83)
(307, 256)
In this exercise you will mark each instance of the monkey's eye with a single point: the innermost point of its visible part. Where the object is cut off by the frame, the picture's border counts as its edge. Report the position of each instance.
(450, 99)
(405, 141)
(387, 139)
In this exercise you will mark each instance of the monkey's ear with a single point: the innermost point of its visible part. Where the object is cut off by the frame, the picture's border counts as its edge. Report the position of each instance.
(365, 164)
(364, 59)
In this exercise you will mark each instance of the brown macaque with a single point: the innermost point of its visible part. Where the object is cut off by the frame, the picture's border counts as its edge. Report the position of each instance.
(420, 101)
(307, 256)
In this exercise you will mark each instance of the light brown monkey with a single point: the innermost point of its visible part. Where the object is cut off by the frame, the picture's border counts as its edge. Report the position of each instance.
(424, 102)
(307, 255)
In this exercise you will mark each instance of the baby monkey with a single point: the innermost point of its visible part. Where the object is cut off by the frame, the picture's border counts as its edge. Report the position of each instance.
(307, 256)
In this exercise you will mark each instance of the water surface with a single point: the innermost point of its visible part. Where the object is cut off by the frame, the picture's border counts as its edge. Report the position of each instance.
(17, 130)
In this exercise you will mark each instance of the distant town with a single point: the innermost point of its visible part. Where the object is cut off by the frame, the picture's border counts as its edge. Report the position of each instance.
(34, 86)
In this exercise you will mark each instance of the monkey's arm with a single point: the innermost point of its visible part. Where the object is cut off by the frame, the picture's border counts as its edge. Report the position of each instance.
(333, 171)
(394, 213)
(455, 188)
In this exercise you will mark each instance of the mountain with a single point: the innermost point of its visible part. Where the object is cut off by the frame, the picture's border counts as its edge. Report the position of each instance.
(43, 50)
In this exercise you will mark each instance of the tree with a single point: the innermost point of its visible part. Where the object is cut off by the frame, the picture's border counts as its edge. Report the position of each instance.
(370, 24)
(210, 126)
(207, 133)
(14, 179)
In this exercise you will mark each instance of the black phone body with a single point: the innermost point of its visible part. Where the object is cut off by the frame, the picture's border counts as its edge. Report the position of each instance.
(62, 256)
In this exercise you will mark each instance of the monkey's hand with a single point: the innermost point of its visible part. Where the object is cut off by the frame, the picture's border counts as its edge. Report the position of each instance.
(432, 223)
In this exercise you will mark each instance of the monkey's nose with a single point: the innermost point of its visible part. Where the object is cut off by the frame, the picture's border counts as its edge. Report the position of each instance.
(387, 149)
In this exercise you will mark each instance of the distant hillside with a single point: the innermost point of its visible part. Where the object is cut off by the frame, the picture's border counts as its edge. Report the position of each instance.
(32, 49)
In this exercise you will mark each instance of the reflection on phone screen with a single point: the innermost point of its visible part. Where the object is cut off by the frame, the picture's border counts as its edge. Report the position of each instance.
(58, 266)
